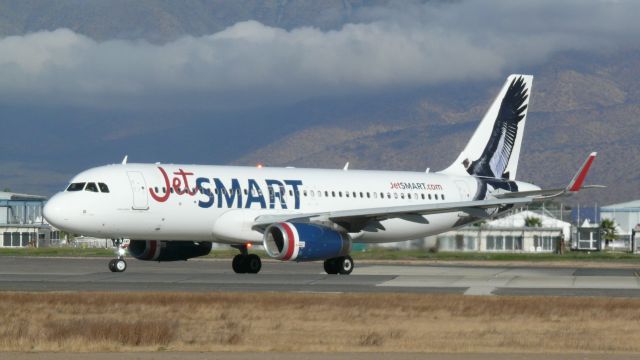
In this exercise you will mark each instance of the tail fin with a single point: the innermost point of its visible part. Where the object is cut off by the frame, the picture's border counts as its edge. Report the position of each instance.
(494, 148)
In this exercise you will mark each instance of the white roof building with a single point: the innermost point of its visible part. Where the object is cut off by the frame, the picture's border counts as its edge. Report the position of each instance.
(626, 215)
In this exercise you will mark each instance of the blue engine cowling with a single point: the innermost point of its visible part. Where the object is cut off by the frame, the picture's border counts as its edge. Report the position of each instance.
(288, 241)
(156, 250)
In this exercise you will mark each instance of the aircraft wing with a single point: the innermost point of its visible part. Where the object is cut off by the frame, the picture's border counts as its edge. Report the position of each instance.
(576, 184)
(354, 219)
(358, 216)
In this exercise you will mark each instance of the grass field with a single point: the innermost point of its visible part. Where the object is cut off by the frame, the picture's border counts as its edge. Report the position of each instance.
(369, 254)
(315, 322)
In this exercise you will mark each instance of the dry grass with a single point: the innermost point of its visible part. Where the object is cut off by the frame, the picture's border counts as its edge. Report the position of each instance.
(315, 322)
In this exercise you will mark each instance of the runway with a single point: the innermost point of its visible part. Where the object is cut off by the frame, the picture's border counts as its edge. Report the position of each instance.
(91, 274)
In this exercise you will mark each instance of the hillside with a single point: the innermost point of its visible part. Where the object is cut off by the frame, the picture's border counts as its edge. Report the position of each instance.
(572, 113)
(581, 102)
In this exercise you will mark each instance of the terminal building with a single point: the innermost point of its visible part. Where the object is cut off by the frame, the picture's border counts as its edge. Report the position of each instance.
(625, 215)
(22, 223)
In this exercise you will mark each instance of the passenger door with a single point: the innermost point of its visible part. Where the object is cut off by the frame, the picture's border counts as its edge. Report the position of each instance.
(139, 189)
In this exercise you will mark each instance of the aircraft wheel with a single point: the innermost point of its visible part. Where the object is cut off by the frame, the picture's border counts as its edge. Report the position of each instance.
(253, 264)
(238, 264)
(331, 266)
(345, 265)
(120, 265)
(112, 265)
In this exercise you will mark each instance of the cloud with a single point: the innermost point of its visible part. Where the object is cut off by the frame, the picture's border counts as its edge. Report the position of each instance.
(398, 46)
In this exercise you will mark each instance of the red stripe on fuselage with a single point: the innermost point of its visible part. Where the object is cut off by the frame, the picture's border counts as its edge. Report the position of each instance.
(290, 240)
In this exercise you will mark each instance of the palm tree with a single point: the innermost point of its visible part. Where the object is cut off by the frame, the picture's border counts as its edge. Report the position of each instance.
(608, 228)
(531, 221)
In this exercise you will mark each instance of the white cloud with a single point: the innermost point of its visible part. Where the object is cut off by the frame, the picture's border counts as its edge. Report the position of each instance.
(400, 46)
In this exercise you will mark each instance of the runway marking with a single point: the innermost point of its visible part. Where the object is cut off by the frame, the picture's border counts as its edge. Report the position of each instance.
(480, 291)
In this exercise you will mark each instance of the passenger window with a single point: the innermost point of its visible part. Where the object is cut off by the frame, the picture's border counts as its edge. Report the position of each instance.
(304, 192)
(76, 187)
(333, 194)
(409, 196)
(381, 196)
(340, 193)
(435, 196)
(422, 196)
(402, 195)
(245, 192)
(312, 193)
(326, 194)
(429, 196)
(395, 195)
(375, 195)
(368, 195)
(442, 196)
(346, 194)
(388, 195)
(91, 187)
(164, 190)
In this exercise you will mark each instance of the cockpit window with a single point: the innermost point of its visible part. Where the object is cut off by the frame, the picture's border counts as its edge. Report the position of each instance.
(76, 187)
(91, 187)
(104, 188)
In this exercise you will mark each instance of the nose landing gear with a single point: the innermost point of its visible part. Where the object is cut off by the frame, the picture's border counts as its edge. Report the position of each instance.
(118, 264)
(246, 263)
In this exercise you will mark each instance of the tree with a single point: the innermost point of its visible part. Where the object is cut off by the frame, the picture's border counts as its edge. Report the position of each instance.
(532, 221)
(609, 232)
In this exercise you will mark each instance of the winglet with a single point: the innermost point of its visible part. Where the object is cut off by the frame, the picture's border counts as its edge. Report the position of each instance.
(346, 166)
(578, 179)
(124, 161)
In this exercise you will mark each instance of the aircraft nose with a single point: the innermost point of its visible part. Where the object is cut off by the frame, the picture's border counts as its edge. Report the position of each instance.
(54, 211)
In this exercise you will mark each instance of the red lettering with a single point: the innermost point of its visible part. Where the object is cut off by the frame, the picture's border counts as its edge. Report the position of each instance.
(185, 182)
(164, 197)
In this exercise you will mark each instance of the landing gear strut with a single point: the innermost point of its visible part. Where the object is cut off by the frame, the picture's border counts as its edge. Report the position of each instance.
(246, 263)
(341, 265)
(118, 264)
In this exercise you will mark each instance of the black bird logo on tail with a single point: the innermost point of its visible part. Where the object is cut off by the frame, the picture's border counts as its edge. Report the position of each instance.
(495, 157)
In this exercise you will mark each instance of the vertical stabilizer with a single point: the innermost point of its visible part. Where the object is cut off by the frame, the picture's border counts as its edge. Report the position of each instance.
(494, 148)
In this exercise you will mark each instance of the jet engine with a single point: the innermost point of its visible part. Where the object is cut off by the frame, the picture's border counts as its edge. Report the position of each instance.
(288, 241)
(168, 250)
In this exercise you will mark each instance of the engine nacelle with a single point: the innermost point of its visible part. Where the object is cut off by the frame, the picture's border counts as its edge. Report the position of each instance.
(156, 250)
(304, 242)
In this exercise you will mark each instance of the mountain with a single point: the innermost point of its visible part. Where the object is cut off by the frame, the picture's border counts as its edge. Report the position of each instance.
(581, 102)
(571, 114)
(162, 21)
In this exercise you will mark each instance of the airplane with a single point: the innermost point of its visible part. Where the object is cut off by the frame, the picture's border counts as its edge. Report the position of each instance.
(175, 212)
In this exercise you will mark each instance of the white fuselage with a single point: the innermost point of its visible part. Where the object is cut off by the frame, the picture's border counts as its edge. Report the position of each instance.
(220, 203)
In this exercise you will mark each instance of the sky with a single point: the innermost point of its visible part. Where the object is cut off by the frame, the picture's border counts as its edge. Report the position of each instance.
(400, 46)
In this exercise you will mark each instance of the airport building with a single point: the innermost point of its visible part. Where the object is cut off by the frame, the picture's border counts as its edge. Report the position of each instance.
(508, 234)
(22, 223)
(625, 215)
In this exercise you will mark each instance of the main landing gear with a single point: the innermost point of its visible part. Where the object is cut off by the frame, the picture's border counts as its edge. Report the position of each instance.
(118, 264)
(341, 265)
(244, 262)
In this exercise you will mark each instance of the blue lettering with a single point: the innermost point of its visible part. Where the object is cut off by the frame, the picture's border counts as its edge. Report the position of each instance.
(296, 193)
(229, 195)
(206, 192)
(252, 197)
(273, 194)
